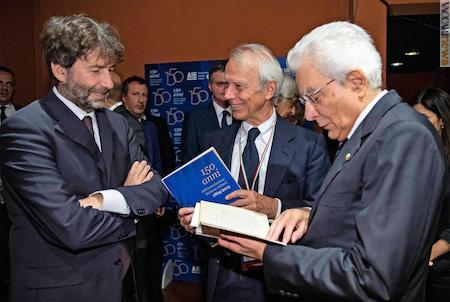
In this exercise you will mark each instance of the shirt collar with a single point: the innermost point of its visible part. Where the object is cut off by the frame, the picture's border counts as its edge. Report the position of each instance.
(9, 105)
(219, 109)
(365, 112)
(115, 106)
(265, 128)
(80, 113)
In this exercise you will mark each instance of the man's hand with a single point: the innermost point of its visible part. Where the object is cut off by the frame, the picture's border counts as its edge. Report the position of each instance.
(294, 222)
(95, 201)
(438, 249)
(185, 216)
(139, 173)
(251, 200)
(243, 246)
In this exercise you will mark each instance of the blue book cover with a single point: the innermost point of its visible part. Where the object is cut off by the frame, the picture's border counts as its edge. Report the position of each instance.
(205, 177)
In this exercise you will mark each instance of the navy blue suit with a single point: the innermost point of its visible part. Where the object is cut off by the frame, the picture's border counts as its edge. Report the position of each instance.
(374, 219)
(297, 164)
(197, 123)
(49, 160)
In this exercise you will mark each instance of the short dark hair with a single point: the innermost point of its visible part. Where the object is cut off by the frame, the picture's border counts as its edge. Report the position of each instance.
(219, 67)
(129, 80)
(8, 70)
(64, 39)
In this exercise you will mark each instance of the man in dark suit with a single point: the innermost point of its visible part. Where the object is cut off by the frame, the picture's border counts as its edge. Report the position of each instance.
(7, 109)
(73, 174)
(134, 98)
(147, 250)
(370, 229)
(290, 163)
(199, 121)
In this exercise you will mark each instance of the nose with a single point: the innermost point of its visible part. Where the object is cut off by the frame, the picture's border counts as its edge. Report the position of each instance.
(310, 112)
(229, 92)
(106, 80)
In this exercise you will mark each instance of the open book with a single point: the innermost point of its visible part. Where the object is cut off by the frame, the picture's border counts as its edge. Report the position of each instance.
(205, 177)
(210, 218)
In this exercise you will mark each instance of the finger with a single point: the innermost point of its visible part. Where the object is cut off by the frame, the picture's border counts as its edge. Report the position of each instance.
(276, 228)
(133, 168)
(142, 170)
(185, 211)
(148, 177)
(430, 263)
(288, 229)
(237, 194)
(239, 203)
(299, 232)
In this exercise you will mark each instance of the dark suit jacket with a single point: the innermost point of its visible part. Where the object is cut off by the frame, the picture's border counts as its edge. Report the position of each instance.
(49, 160)
(373, 222)
(153, 150)
(196, 124)
(297, 165)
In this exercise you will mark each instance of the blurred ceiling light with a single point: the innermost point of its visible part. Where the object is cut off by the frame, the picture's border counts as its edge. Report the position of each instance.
(412, 53)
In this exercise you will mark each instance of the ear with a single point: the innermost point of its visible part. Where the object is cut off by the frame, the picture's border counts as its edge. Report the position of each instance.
(209, 86)
(269, 90)
(358, 83)
(60, 72)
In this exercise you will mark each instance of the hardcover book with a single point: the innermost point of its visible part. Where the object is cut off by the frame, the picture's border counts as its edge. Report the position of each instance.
(205, 177)
(210, 219)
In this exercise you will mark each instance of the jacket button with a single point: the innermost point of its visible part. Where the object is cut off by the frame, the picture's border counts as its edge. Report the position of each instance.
(118, 261)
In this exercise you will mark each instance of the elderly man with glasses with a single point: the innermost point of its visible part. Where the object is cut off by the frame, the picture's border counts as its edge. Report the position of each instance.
(370, 231)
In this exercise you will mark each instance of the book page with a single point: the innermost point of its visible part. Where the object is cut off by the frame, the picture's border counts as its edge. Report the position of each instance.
(234, 219)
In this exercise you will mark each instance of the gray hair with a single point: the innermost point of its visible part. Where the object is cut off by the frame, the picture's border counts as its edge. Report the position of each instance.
(64, 39)
(268, 66)
(288, 89)
(337, 48)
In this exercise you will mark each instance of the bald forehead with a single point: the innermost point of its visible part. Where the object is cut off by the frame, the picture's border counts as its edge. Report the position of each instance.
(6, 77)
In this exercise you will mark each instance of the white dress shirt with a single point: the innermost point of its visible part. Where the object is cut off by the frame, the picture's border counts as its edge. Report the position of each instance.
(9, 110)
(219, 113)
(263, 141)
(113, 200)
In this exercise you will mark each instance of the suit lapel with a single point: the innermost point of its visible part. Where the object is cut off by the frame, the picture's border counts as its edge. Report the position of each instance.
(69, 125)
(225, 148)
(281, 153)
(355, 142)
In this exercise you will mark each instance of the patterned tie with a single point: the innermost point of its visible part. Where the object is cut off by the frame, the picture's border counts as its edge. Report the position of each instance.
(3, 114)
(250, 157)
(87, 121)
(224, 119)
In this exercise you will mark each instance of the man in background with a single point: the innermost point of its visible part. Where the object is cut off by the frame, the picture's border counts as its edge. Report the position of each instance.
(147, 252)
(199, 121)
(7, 109)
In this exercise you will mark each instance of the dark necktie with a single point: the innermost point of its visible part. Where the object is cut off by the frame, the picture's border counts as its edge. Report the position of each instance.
(224, 119)
(87, 121)
(2, 114)
(250, 158)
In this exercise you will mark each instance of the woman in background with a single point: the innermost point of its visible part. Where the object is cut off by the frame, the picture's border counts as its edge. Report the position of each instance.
(434, 104)
(287, 104)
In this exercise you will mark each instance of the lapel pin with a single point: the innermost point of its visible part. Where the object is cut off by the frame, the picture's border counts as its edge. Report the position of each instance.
(348, 156)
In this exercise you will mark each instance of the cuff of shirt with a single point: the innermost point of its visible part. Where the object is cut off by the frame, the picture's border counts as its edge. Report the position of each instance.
(114, 201)
(279, 207)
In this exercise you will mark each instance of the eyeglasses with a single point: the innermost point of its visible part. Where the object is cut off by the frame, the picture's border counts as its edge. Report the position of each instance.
(310, 97)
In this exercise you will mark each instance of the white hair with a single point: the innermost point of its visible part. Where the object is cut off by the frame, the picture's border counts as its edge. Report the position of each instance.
(288, 89)
(337, 48)
(268, 66)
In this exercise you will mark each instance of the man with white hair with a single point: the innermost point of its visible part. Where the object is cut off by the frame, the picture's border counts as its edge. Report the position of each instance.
(277, 164)
(370, 231)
